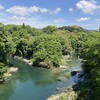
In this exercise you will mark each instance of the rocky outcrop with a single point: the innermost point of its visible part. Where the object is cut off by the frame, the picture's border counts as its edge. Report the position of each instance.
(7, 74)
(28, 61)
(74, 72)
(1, 81)
(11, 70)
(68, 95)
(63, 67)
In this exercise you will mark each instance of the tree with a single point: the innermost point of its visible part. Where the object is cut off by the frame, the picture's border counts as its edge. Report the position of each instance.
(91, 53)
(2, 44)
(47, 51)
(73, 28)
(50, 29)
(99, 28)
(23, 26)
(21, 49)
(63, 37)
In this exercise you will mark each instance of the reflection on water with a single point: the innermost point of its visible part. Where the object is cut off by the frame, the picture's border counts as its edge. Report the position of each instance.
(30, 83)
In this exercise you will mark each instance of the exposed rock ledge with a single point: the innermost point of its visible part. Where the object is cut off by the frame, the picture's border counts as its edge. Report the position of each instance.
(7, 74)
(69, 95)
(11, 70)
(63, 67)
(28, 61)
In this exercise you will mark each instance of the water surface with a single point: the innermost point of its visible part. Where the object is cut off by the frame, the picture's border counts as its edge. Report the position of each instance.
(31, 83)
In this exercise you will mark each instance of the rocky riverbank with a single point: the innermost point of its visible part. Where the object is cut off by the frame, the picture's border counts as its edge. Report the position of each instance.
(29, 62)
(69, 94)
(10, 71)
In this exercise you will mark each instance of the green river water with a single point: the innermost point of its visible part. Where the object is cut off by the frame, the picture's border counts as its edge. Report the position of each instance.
(31, 83)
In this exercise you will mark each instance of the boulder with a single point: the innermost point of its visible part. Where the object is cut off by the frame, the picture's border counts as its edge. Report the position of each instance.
(12, 69)
(7, 75)
(74, 72)
(1, 81)
(76, 87)
(63, 67)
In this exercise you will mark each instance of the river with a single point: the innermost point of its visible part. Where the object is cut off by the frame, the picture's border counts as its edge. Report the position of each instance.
(31, 83)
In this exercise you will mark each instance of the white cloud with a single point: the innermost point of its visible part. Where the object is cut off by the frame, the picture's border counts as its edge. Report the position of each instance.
(29, 15)
(23, 11)
(34, 21)
(35, 9)
(87, 7)
(16, 18)
(82, 19)
(56, 11)
(1, 7)
(71, 10)
(19, 20)
(18, 10)
(59, 20)
(44, 10)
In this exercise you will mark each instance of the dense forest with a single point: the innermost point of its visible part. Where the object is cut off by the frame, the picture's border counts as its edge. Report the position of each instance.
(45, 48)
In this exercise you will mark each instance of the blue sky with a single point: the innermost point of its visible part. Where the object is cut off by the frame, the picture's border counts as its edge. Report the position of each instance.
(40, 13)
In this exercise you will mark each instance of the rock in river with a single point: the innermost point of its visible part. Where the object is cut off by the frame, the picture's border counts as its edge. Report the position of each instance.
(74, 72)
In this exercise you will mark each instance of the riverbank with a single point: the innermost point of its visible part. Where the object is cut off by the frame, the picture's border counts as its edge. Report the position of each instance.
(10, 71)
(63, 64)
(62, 69)
(45, 80)
(69, 94)
(27, 61)
(54, 70)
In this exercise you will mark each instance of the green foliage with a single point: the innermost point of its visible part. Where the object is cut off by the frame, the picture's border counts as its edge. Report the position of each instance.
(21, 48)
(2, 44)
(47, 48)
(10, 45)
(23, 26)
(50, 29)
(63, 37)
(72, 28)
(91, 53)
(3, 69)
(99, 29)
(91, 50)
